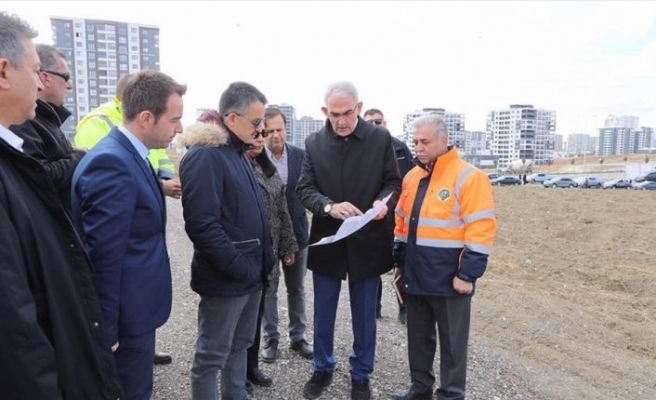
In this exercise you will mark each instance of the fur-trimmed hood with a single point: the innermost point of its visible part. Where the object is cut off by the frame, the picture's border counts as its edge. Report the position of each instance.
(208, 134)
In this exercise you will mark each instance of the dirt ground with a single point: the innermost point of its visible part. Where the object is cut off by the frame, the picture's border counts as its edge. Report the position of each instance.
(570, 291)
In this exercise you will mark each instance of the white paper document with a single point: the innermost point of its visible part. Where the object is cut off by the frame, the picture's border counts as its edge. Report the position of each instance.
(354, 224)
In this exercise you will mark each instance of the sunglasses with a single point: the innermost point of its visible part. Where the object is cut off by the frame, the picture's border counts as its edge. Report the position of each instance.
(65, 76)
(256, 123)
(378, 121)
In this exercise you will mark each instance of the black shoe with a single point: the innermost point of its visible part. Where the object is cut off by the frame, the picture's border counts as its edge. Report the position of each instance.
(360, 390)
(402, 317)
(413, 394)
(269, 353)
(249, 387)
(317, 383)
(162, 358)
(259, 378)
(303, 348)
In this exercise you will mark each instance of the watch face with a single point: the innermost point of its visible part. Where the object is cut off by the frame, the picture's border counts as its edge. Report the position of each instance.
(327, 208)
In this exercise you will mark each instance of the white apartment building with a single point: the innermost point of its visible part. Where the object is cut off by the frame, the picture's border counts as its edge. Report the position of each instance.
(98, 53)
(455, 123)
(522, 132)
(304, 127)
(623, 121)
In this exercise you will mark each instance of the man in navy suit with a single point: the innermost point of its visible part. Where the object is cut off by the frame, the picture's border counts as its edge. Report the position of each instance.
(119, 208)
(288, 160)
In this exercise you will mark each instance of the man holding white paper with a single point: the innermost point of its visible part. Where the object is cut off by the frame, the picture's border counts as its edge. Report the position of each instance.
(349, 166)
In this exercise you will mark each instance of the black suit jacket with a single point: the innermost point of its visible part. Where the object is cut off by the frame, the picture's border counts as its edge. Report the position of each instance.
(296, 210)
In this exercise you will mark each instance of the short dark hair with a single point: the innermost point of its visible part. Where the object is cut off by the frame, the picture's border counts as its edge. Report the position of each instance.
(12, 32)
(373, 111)
(149, 90)
(239, 97)
(122, 84)
(272, 112)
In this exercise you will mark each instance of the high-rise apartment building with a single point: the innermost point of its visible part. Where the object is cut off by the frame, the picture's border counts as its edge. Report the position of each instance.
(614, 141)
(475, 142)
(522, 132)
(304, 127)
(98, 53)
(455, 124)
(623, 121)
(580, 143)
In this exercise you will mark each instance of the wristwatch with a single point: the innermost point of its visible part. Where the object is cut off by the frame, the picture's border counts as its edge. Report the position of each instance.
(327, 208)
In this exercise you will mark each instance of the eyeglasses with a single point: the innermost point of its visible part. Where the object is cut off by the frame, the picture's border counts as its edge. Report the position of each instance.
(256, 123)
(378, 121)
(348, 113)
(65, 76)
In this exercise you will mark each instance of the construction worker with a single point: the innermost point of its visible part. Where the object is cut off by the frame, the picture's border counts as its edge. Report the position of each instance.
(445, 226)
(97, 124)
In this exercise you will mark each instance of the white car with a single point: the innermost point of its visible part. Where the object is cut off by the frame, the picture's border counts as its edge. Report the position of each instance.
(538, 178)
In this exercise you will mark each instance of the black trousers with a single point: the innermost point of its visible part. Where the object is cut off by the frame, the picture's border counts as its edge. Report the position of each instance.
(253, 352)
(452, 316)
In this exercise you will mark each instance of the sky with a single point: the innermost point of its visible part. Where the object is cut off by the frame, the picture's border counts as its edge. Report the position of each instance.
(586, 60)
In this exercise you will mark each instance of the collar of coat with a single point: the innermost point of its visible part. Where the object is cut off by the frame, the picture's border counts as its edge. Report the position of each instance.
(56, 114)
(451, 153)
(210, 134)
(359, 131)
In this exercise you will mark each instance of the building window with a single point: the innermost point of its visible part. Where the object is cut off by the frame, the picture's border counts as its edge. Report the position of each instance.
(135, 66)
(134, 48)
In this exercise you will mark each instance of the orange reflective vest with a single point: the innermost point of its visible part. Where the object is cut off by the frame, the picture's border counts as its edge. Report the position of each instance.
(446, 217)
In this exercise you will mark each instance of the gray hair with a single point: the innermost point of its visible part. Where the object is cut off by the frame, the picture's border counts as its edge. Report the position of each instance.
(341, 89)
(48, 56)
(13, 31)
(434, 121)
(239, 97)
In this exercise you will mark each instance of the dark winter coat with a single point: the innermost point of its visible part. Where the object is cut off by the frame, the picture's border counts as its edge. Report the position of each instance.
(297, 211)
(53, 341)
(360, 169)
(44, 140)
(225, 215)
(273, 191)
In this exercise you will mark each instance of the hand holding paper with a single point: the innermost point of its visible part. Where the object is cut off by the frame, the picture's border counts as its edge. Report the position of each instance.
(354, 224)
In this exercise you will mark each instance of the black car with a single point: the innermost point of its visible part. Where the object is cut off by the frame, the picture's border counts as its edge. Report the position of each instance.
(650, 176)
(506, 181)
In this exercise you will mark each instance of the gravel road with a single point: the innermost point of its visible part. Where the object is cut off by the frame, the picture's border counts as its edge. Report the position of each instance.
(491, 376)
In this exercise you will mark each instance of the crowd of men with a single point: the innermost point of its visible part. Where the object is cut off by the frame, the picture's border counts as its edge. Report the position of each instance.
(85, 279)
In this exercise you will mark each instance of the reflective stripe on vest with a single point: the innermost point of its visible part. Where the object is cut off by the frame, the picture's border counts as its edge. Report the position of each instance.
(107, 120)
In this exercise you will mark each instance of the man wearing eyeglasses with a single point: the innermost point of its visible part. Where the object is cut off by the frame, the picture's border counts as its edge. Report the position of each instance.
(226, 219)
(404, 160)
(42, 136)
(349, 166)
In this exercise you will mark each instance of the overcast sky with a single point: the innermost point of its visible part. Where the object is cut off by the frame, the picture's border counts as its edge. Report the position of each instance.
(586, 60)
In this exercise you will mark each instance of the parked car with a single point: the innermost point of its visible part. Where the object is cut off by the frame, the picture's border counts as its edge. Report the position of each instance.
(649, 176)
(538, 178)
(588, 182)
(560, 181)
(645, 185)
(493, 176)
(616, 184)
(506, 181)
